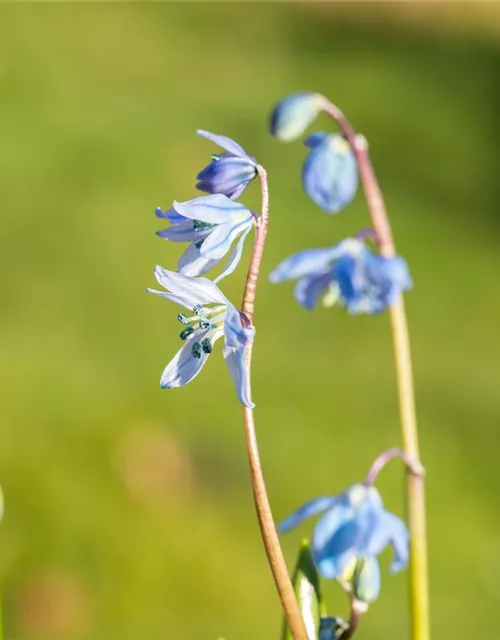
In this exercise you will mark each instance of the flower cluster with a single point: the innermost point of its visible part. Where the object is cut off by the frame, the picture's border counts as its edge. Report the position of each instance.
(354, 527)
(348, 272)
(213, 226)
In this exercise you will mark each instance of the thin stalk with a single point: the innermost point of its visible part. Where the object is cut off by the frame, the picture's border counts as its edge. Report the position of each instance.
(413, 466)
(357, 609)
(270, 538)
(415, 491)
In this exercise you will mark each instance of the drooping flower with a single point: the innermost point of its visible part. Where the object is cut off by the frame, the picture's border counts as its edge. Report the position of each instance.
(292, 115)
(347, 272)
(330, 173)
(355, 527)
(213, 317)
(229, 173)
(210, 224)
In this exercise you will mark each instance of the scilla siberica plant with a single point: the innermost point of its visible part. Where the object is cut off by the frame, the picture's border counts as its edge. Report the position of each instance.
(362, 274)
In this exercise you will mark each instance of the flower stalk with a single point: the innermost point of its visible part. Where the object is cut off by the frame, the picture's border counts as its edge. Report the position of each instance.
(270, 539)
(415, 490)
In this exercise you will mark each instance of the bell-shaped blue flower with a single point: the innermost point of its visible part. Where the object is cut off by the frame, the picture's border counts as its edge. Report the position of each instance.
(212, 317)
(355, 526)
(229, 173)
(292, 115)
(330, 172)
(348, 273)
(210, 224)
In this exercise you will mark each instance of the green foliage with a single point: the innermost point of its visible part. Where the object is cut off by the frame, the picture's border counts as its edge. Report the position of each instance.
(307, 589)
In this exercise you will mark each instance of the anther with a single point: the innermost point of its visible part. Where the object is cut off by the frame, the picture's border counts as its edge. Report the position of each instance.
(198, 310)
(205, 324)
(196, 350)
(198, 225)
(206, 345)
(215, 157)
(185, 333)
(183, 318)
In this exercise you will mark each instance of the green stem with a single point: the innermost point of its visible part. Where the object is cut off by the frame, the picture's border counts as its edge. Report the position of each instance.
(415, 490)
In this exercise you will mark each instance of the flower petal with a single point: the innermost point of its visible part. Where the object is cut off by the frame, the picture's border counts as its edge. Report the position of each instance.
(192, 263)
(315, 138)
(192, 290)
(169, 214)
(184, 367)
(235, 256)
(390, 530)
(334, 542)
(224, 142)
(172, 297)
(235, 333)
(366, 580)
(238, 368)
(310, 288)
(304, 263)
(180, 232)
(309, 509)
(330, 174)
(221, 237)
(215, 208)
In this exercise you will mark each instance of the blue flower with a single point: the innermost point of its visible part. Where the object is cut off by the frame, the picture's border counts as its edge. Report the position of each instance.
(229, 173)
(210, 224)
(348, 272)
(292, 115)
(354, 527)
(330, 173)
(213, 317)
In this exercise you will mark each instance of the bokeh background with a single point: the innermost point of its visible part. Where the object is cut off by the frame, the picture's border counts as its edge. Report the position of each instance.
(128, 509)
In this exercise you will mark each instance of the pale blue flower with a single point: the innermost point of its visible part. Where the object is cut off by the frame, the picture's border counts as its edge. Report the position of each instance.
(355, 526)
(210, 224)
(292, 115)
(348, 273)
(229, 173)
(212, 317)
(330, 173)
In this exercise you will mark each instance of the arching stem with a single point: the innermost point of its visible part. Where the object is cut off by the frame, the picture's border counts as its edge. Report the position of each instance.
(270, 538)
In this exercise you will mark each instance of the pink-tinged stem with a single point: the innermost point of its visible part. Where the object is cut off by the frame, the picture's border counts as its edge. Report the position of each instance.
(415, 491)
(270, 538)
(412, 465)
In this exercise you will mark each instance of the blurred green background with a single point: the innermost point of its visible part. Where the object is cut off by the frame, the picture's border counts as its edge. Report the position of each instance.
(128, 509)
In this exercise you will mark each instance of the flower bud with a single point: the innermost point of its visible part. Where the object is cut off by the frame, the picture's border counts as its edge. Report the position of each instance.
(330, 172)
(227, 174)
(292, 115)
